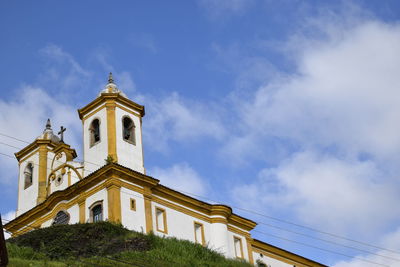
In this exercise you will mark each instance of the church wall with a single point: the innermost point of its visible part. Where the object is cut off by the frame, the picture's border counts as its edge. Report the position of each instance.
(27, 198)
(219, 238)
(129, 155)
(98, 152)
(73, 214)
(101, 195)
(133, 219)
(231, 237)
(269, 261)
(179, 224)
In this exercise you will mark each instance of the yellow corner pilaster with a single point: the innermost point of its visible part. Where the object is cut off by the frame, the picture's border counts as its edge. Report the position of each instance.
(111, 130)
(147, 209)
(114, 202)
(249, 250)
(42, 174)
(69, 177)
(82, 211)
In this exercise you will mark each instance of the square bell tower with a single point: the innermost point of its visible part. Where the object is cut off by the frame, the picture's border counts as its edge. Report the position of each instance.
(112, 130)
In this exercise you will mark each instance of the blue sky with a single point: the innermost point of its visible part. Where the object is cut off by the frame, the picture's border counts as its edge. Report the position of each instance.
(287, 108)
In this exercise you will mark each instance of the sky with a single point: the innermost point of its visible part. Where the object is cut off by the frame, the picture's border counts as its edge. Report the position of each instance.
(288, 110)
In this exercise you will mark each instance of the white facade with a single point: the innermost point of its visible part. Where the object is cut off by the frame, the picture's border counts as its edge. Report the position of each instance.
(129, 154)
(119, 191)
(94, 155)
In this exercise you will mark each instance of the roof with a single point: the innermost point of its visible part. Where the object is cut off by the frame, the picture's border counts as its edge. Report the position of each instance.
(115, 170)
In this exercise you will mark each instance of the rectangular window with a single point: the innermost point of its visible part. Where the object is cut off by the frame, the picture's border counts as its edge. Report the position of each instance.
(161, 221)
(238, 247)
(199, 233)
(133, 204)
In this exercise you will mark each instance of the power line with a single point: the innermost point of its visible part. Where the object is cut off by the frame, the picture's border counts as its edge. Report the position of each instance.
(295, 224)
(323, 249)
(256, 213)
(305, 244)
(263, 223)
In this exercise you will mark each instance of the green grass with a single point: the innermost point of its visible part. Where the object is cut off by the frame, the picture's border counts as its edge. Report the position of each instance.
(107, 244)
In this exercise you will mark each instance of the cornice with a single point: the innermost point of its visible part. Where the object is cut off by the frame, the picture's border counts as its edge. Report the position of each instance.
(70, 152)
(107, 98)
(257, 244)
(110, 174)
(32, 146)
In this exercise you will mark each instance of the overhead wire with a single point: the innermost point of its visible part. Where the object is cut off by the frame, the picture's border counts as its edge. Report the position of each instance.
(253, 212)
(326, 250)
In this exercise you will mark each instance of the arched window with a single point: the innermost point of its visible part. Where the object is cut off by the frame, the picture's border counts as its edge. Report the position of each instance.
(62, 217)
(28, 175)
(128, 130)
(96, 213)
(94, 131)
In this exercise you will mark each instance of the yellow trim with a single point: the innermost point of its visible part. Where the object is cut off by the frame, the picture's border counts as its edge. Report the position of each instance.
(82, 210)
(237, 238)
(42, 173)
(283, 255)
(164, 218)
(203, 239)
(92, 113)
(114, 200)
(111, 130)
(28, 156)
(238, 231)
(152, 191)
(147, 209)
(104, 97)
(33, 146)
(219, 220)
(249, 250)
(133, 204)
(141, 144)
(128, 110)
(69, 177)
(132, 187)
(94, 204)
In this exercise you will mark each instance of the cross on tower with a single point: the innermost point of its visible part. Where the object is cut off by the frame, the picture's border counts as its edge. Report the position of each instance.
(61, 133)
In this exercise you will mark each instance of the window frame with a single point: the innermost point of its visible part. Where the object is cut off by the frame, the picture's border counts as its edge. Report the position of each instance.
(239, 239)
(133, 204)
(26, 185)
(133, 131)
(65, 212)
(95, 204)
(92, 142)
(203, 240)
(164, 218)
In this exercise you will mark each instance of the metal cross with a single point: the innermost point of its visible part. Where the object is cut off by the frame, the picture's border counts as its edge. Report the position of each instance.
(61, 132)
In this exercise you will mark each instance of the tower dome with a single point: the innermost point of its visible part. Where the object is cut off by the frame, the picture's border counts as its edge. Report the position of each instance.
(48, 134)
(111, 87)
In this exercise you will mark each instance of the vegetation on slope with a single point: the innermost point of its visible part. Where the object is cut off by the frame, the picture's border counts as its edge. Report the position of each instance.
(107, 244)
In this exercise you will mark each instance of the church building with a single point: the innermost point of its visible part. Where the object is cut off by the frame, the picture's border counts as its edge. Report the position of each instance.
(111, 184)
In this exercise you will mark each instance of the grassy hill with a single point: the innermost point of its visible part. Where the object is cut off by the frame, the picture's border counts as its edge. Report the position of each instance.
(107, 244)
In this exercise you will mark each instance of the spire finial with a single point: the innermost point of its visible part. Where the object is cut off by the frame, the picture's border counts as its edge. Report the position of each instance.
(48, 125)
(110, 78)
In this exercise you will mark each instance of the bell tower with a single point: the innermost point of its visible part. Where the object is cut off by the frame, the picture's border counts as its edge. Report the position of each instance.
(34, 161)
(112, 130)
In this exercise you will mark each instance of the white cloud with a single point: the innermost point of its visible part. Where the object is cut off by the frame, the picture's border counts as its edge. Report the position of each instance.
(173, 118)
(389, 242)
(330, 131)
(24, 117)
(346, 93)
(180, 177)
(324, 190)
(5, 219)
